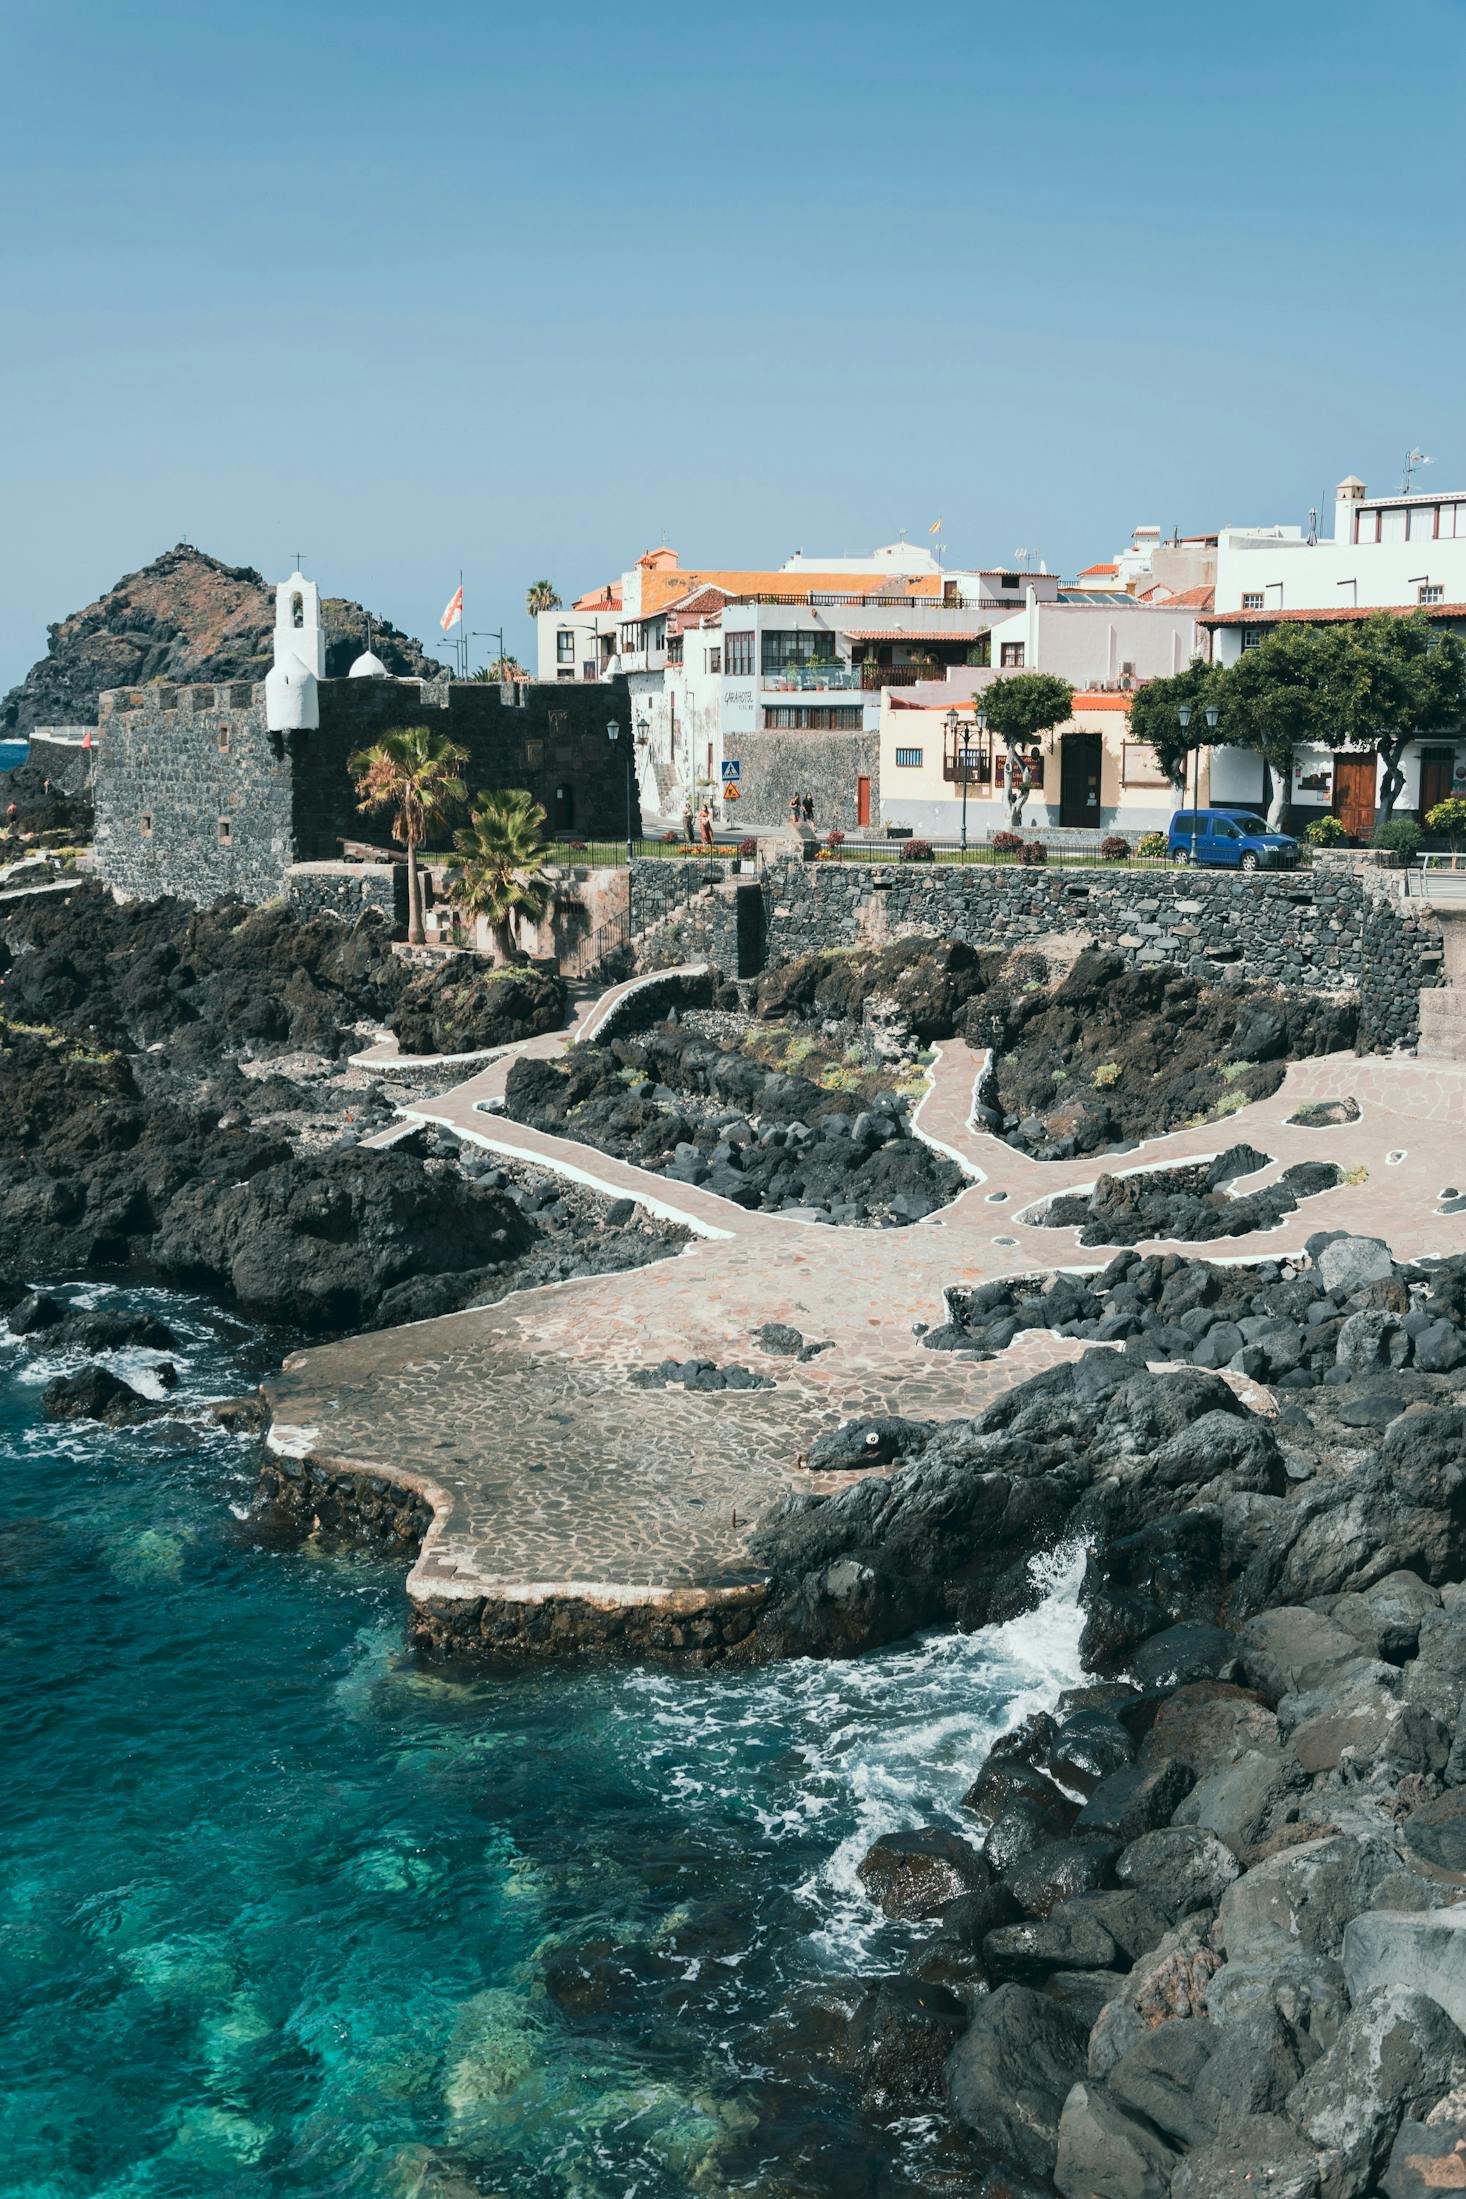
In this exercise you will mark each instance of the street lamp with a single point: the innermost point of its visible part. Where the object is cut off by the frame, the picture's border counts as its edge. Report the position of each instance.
(1183, 719)
(960, 759)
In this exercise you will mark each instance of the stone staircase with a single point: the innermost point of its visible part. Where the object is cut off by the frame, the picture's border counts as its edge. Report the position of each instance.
(1443, 1009)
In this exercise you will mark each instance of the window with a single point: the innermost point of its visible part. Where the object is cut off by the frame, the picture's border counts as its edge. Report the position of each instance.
(1010, 653)
(588, 669)
(223, 740)
(297, 610)
(908, 759)
(1011, 768)
(1251, 637)
(534, 754)
(738, 656)
(565, 645)
(1430, 591)
(788, 652)
(226, 833)
(811, 718)
(1422, 522)
(565, 671)
(674, 649)
(1008, 582)
(1252, 600)
(145, 824)
(1183, 821)
(1366, 527)
(715, 660)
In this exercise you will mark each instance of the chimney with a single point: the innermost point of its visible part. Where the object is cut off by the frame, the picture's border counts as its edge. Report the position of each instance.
(1348, 497)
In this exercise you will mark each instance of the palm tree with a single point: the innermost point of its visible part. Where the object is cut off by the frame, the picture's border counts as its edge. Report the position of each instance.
(542, 597)
(502, 668)
(500, 870)
(414, 773)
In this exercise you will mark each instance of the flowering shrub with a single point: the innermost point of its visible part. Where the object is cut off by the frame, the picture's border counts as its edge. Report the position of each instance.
(578, 844)
(1032, 853)
(1151, 844)
(1006, 843)
(834, 838)
(916, 851)
(747, 848)
(1114, 847)
(1326, 832)
(670, 839)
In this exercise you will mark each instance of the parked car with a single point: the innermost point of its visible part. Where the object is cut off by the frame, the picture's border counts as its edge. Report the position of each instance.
(1229, 839)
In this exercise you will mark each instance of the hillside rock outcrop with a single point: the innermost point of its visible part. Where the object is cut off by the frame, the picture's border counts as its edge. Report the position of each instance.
(185, 617)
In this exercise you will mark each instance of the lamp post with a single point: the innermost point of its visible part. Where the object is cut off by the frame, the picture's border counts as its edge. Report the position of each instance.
(959, 757)
(1183, 719)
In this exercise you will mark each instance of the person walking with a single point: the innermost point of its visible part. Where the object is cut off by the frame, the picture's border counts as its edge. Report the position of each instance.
(688, 834)
(794, 811)
(809, 809)
(705, 822)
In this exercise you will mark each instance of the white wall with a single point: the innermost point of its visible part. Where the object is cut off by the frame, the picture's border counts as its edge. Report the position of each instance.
(1090, 644)
(1293, 575)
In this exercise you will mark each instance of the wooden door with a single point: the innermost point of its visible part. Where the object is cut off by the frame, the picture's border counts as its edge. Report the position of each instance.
(862, 801)
(1437, 770)
(1354, 784)
(1079, 780)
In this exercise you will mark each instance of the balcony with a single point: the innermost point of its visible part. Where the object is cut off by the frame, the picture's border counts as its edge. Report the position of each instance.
(800, 678)
(638, 660)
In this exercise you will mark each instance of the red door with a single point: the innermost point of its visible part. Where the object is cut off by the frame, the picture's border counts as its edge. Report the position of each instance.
(862, 801)
(1437, 772)
(1354, 783)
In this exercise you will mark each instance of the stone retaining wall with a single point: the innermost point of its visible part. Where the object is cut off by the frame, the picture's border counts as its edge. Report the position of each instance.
(684, 1626)
(1328, 929)
(349, 890)
(317, 1499)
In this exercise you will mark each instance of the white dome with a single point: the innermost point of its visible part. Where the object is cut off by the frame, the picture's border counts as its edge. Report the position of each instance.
(368, 666)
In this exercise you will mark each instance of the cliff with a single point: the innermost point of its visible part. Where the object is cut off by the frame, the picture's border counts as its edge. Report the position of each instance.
(185, 617)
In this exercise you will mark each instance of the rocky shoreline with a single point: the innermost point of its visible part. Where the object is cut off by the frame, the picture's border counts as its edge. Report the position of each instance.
(1202, 1935)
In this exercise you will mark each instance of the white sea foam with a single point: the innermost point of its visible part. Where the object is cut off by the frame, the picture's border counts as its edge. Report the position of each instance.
(828, 1755)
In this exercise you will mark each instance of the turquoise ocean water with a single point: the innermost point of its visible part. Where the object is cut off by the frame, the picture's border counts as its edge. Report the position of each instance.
(275, 1898)
(12, 753)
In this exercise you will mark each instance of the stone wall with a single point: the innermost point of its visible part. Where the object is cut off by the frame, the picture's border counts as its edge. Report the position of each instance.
(349, 890)
(192, 795)
(57, 752)
(195, 797)
(1322, 930)
(827, 765)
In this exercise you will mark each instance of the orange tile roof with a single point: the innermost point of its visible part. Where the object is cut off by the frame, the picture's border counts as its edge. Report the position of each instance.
(660, 588)
(1091, 699)
(600, 599)
(1098, 569)
(1332, 614)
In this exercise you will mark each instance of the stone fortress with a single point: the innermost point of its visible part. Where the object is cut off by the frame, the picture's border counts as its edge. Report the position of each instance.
(214, 791)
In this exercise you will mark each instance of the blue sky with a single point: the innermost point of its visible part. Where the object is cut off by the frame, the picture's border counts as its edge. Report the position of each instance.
(528, 291)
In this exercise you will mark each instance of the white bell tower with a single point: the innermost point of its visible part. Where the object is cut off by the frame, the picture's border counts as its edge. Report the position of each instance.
(291, 700)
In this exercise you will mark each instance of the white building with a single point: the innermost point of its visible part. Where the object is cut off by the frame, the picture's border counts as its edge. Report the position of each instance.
(1399, 553)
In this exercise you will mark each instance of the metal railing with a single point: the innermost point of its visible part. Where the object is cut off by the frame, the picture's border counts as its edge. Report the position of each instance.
(798, 678)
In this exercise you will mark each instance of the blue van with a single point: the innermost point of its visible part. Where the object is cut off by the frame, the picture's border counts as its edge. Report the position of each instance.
(1230, 839)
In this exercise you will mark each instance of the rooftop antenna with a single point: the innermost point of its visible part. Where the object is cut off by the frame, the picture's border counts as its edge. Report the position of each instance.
(1025, 555)
(1413, 459)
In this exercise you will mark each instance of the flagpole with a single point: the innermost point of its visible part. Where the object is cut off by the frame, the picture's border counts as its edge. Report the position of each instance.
(462, 630)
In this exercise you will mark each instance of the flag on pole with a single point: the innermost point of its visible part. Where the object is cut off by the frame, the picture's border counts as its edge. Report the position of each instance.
(454, 611)
(935, 528)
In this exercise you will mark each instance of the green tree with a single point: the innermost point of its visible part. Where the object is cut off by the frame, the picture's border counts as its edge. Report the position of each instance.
(1018, 710)
(500, 871)
(542, 597)
(413, 773)
(1155, 717)
(1448, 818)
(1395, 680)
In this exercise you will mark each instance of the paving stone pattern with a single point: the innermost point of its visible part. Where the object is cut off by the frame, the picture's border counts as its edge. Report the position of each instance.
(551, 1475)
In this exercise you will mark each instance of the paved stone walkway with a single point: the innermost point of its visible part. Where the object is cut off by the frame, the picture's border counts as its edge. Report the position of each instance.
(551, 1476)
